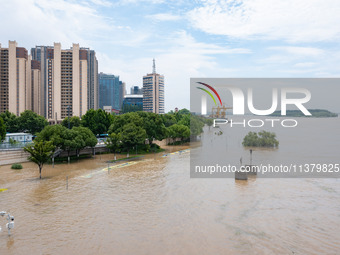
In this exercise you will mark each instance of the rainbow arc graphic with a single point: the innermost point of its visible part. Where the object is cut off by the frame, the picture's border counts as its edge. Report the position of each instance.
(209, 93)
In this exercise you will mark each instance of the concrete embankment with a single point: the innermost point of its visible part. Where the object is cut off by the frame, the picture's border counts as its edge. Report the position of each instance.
(8, 157)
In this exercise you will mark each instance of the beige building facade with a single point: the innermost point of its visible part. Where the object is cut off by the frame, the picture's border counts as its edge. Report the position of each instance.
(67, 83)
(56, 83)
(153, 92)
(36, 96)
(15, 76)
(69, 80)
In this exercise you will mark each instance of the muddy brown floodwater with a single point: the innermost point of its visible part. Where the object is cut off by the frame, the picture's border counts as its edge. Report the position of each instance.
(151, 206)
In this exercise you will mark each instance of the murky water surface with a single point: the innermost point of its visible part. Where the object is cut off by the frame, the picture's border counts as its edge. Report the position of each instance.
(151, 206)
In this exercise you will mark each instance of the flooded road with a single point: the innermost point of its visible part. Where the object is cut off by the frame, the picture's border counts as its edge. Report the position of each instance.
(153, 207)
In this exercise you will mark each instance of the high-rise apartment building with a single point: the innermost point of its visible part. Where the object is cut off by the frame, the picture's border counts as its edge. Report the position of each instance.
(36, 96)
(92, 79)
(111, 91)
(153, 92)
(15, 79)
(69, 80)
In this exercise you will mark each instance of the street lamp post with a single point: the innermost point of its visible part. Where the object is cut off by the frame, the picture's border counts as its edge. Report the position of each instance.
(68, 114)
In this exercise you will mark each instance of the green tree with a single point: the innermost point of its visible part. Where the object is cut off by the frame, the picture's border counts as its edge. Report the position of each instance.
(88, 138)
(11, 121)
(153, 126)
(132, 135)
(71, 141)
(251, 139)
(40, 153)
(12, 141)
(74, 122)
(31, 122)
(121, 120)
(179, 131)
(184, 111)
(2, 130)
(98, 121)
(113, 142)
(54, 133)
(196, 126)
(262, 139)
(185, 120)
(209, 122)
(169, 119)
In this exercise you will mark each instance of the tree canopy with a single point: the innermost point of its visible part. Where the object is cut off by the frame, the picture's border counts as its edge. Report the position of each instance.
(66, 139)
(31, 122)
(153, 126)
(54, 133)
(261, 139)
(10, 121)
(113, 142)
(2, 130)
(98, 121)
(179, 131)
(40, 153)
(132, 135)
(74, 122)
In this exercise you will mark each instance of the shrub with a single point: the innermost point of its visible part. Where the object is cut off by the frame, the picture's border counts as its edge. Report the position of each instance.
(16, 166)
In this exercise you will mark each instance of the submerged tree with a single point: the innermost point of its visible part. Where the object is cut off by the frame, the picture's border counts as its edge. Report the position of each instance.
(40, 153)
(132, 135)
(113, 142)
(261, 139)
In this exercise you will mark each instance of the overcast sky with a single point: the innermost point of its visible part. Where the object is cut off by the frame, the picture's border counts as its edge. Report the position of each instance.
(208, 38)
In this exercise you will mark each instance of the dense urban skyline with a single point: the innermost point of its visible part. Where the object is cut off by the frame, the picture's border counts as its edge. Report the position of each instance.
(188, 38)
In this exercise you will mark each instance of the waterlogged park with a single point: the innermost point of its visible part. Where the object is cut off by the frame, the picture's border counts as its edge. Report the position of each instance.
(135, 132)
(130, 192)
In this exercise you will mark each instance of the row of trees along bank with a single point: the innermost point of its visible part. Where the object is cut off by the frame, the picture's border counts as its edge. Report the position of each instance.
(126, 131)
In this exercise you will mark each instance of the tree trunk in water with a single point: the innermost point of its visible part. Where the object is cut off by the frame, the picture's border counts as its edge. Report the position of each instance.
(115, 156)
(68, 156)
(40, 171)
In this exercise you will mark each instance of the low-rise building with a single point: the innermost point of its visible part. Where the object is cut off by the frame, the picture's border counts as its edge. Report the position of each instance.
(132, 103)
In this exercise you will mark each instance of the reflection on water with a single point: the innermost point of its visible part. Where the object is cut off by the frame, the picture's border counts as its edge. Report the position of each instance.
(153, 207)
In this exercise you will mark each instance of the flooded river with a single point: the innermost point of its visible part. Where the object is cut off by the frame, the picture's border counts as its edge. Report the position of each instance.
(152, 206)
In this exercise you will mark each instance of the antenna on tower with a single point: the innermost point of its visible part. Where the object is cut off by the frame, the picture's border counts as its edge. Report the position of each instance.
(154, 66)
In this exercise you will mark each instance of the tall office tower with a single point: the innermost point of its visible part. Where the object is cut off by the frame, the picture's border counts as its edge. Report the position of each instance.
(69, 81)
(122, 93)
(153, 92)
(15, 79)
(135, 90)
(111, 91)
(36, 87)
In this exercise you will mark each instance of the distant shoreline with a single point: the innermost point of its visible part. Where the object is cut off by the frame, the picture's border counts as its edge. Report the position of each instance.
(316, 113)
